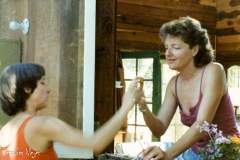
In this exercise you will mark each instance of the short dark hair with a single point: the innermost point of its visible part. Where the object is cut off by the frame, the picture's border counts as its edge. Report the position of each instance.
(14, 80)
(191, 32)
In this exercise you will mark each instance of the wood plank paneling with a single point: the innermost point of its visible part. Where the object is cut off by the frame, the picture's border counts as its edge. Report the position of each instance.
(227, 26)
(139, 21)
(228, 43)
(173, 4)
(229, 39)
(145, 37)
(133, 27)
(228, 17)
(165, 14)
(228, 47)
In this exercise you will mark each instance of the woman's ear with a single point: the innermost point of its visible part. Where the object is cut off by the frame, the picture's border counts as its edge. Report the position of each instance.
(195, 50)
(27, 90)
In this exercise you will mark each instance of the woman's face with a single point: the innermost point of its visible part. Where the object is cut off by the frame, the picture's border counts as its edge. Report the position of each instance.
(178, 54)
(39, 97)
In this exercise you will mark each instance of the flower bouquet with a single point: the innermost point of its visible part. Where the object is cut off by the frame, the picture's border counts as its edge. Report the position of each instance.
(219, 147)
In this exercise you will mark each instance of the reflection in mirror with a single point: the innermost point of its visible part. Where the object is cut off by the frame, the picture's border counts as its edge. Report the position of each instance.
(56, 40)
(10, 54)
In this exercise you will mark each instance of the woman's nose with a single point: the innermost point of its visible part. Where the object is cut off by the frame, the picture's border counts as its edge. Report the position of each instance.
(168, 52)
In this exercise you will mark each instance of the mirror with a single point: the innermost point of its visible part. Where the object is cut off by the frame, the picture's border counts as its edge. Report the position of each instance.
(58, 40)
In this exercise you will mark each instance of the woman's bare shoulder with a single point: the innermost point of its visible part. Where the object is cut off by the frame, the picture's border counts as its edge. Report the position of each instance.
(48, 125)
(42, 122)
(215, 67)
(215, 77)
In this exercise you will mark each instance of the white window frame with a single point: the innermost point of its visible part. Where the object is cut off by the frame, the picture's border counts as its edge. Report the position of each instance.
(64, 151)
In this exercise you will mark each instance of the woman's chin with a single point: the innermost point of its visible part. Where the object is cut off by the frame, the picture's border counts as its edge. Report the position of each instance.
(172, 67)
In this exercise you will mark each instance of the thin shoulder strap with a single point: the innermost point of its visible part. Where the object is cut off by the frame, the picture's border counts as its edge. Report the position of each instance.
(176, 90)
(202, 77)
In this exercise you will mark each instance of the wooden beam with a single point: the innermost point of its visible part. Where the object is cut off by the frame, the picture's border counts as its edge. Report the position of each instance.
(144, 41)
(133, 27)
(149, 24)
(173, 5)
(226, 32)
(143, 37)
(143, 16)
(228, 39)
(105, 63)
(228, 47)
(166, 13)
(139, 46)
(229, 56)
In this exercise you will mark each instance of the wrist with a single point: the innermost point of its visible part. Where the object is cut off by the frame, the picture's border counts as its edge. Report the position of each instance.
(143, 108)
(169, 155)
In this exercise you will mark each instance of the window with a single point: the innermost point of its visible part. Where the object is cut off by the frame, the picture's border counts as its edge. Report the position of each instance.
(233, 79)
(176, 129)
(142, 65)
(146, 65)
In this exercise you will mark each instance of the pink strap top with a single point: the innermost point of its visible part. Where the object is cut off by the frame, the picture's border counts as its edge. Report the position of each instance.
(23, 151)
(224, 117)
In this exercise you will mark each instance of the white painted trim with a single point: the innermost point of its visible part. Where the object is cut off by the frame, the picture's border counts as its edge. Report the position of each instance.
(88, 85)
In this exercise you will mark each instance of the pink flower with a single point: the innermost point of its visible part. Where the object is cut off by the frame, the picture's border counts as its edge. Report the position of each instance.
(221, 140)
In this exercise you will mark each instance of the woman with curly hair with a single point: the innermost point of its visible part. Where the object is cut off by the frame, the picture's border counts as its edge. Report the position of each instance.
(199, 90)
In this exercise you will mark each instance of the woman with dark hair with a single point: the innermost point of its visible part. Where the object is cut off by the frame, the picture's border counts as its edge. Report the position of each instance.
(22, 93)
(199, 90)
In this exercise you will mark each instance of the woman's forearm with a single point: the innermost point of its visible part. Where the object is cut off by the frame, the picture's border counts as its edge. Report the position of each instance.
(153, 123)
(185, 142)
(104, 136)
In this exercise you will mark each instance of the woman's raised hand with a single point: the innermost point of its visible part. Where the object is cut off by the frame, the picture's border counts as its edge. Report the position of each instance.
(140, 97)
(133, 93)
(129, 95)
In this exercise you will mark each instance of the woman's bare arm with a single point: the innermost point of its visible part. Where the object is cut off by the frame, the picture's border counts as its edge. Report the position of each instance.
(56, 130)
(214, 87)
(159, 124)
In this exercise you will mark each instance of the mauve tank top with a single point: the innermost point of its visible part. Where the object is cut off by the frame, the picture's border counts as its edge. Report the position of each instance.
(224, 117)
(23, 151)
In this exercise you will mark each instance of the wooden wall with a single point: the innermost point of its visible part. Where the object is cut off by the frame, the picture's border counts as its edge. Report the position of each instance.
(53, 41)
(139, 21)
(228, 32)
(228, 28)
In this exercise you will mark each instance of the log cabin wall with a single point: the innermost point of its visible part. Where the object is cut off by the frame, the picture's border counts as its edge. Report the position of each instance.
(137, 29)
(139, 21)
(227, 31)
(55, 41)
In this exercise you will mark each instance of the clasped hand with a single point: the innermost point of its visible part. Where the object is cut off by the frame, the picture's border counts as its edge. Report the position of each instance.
(134, 91)
(154, 153)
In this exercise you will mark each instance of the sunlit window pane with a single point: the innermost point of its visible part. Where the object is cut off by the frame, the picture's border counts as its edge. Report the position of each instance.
(142, 134)
(129, 68)
(176, 128)
(148, 90)
(141, 66)
(233, 84)
(145, 68)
